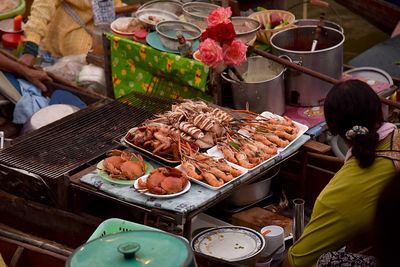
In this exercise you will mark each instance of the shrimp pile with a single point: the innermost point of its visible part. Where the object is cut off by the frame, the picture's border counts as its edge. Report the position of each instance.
(276, 130)
(158, 139)
(196, 121)
(246, 152)
(215, 172)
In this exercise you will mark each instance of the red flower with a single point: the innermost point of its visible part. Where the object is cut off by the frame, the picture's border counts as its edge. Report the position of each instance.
(223, 33)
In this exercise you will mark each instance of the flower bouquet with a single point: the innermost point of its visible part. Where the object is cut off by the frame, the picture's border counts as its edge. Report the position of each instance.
(218, 47)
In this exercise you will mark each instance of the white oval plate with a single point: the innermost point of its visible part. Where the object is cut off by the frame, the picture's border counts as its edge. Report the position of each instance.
(231, 243)
(144, 178)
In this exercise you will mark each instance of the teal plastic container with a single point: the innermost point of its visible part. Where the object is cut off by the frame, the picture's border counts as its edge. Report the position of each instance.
(19, 10)
(115, 225)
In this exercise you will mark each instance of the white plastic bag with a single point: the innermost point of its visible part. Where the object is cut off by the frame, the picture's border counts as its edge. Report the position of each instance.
(68, 67)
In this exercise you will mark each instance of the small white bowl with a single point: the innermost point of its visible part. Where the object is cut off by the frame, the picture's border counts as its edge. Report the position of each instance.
(196, 55)
(151, 17)
(118, 24)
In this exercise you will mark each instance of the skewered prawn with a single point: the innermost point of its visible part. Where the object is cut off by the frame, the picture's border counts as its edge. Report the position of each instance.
(276, 140)
(226, 177)
(212, 180)
(223, 166)
(192, 171)
(243, 160)
(268, 149)
(286, 135)
(228, 153)
(205, 166)
(261, 138)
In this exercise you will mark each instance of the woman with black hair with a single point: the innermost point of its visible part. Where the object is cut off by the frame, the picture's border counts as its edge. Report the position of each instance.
(345, 208)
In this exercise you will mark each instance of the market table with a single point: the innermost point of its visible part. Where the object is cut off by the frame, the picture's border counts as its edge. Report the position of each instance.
(184, 207)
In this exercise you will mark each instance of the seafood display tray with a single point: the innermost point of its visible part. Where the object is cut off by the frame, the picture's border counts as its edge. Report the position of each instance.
(302, 129)
(240, 168)
(215, 152)
(149, 153)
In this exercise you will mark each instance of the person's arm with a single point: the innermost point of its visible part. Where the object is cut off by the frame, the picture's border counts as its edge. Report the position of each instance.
(327, 231)
(36, 77)
(41, 13)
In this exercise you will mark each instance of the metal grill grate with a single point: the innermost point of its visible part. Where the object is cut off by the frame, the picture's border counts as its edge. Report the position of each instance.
(69, 143)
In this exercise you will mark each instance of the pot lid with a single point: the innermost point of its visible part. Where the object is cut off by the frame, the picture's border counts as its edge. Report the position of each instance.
(378, 79)
(133, 249)
(229, 243)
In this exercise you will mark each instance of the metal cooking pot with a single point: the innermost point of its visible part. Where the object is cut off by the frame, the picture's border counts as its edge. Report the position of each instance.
(315, 22)
(303, 89)
(263, 88)
(254, 192)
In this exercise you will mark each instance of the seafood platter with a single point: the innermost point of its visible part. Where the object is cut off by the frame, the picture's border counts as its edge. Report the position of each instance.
(213, 146)
(163, 182)
(123, 167)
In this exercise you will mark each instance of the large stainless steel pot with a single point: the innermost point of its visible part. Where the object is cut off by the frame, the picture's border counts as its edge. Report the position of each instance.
(302, 89)
(263, 88)
(315, 22)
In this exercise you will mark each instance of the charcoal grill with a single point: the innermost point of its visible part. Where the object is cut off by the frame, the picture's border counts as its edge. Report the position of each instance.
(44, 159)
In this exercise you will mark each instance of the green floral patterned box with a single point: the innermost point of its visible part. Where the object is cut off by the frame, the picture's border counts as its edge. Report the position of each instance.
(138, 67)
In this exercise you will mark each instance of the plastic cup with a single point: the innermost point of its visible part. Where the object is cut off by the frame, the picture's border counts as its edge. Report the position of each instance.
(274, 238)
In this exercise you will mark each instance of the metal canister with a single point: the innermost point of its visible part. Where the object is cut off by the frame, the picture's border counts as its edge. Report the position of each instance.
(263, 88)
(296, 43)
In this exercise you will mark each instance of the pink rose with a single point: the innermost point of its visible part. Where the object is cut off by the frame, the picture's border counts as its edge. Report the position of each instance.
(234, 53)
(210, 53)
(219, 15)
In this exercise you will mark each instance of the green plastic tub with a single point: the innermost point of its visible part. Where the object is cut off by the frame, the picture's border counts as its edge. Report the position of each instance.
(114, 225)
(19, 10)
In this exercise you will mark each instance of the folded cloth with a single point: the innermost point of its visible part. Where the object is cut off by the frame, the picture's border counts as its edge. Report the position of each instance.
(141, 68)
(30, 102)
(65, 97)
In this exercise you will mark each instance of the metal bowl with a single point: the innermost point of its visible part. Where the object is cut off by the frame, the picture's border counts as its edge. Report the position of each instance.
(254, 192)
(151, 17)
(167, 31)
(246, 29)
(197, 13)
(173, 6)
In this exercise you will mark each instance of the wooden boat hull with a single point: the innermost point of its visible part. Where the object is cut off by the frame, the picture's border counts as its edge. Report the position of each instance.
(382, 14)
(17, 254)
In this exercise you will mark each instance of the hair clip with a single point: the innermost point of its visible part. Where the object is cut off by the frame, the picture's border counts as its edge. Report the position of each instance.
(356, 130)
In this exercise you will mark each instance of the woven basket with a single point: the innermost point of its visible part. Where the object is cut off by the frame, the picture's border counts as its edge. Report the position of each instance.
(264, 35)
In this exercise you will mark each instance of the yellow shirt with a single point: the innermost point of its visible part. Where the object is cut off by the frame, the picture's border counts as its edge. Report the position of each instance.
(343, 210)
(49, 25)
